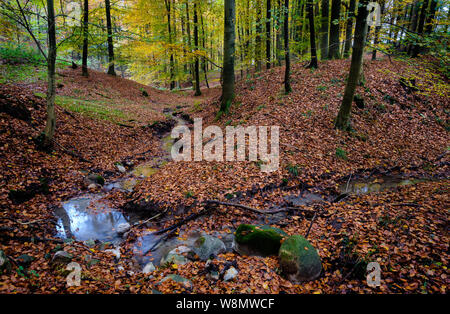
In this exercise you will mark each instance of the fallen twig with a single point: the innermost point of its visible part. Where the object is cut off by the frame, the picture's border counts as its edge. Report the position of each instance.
(310, 226)
(150, 219)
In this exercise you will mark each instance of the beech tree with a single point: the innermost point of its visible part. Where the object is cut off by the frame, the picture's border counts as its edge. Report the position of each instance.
(325, 23)
(312, 34)
(333, 50)
(268, 33)
(197, 61)
(343, 117)
(49, 131)
(287, 73)
(111, 70)
(228, 57)
(349, 28)
(84, 67)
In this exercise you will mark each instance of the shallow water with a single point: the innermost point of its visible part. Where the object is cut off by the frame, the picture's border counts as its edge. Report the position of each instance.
(365, 186)
(304, 198)
(85, 218)
(145, 243)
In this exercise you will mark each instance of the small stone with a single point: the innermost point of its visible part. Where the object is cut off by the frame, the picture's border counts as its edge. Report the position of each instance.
(207, 246)
(149, 268)
(123, 228)
(181, 250)
(5, 265)
(230, 274)
(89, 243)
(214, 275)
(94, 187)
(174, 259)
(115, 252)
(61, 257)
(25, 260)
(94, 179)
(121, 168)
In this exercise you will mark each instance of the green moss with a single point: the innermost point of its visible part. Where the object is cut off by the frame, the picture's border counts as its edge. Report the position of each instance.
(299, 259)
(264, 240)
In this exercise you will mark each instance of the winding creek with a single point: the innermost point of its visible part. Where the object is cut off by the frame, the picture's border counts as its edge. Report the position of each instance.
(86, 218)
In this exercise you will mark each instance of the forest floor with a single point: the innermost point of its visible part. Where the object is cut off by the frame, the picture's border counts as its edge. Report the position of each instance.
(400, 132)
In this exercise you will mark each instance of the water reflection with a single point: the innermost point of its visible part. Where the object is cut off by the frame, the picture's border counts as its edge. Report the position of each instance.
(76, 219)
(360, 187)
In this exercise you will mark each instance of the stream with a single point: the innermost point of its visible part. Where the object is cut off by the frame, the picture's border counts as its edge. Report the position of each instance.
(86, 218)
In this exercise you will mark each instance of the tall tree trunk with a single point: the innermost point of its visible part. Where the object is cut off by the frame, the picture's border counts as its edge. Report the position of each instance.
(188, 29)
(343, 118)
(49, 131)
(414, 17)
(204, 48)
(258, 39)
(287, 73)
(111, 70)
(416, 49)
(172, 59)
(333, 52)
(312, 34)
(197, 62)
(84, 69)
(430, 17)
(376, 37)
(325, 22)
(279, 46)
(268, 33)
(349, 30)
(228, 58)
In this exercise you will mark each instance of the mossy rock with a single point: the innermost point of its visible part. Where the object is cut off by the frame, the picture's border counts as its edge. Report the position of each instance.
(258, 240)
(208, 246)
(299, 260)
(5, 265)
(94, 178)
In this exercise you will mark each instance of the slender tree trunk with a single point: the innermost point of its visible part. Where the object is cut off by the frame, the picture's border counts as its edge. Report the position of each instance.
(49, 131)
(349, 30)
(241, 47)
(259, 32)
(377, 35)
(343, 118)
(430, 17)
(197, 62)
(279, 46)
(204, 48)
(228, 58)
(84, 69)
(111, 70)
(416, 49)
(312, 34)
(172, 59)
(287, 74)
(325, 22)
(188, 29)
(268, 33)
(333, 52)
(414, 17)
